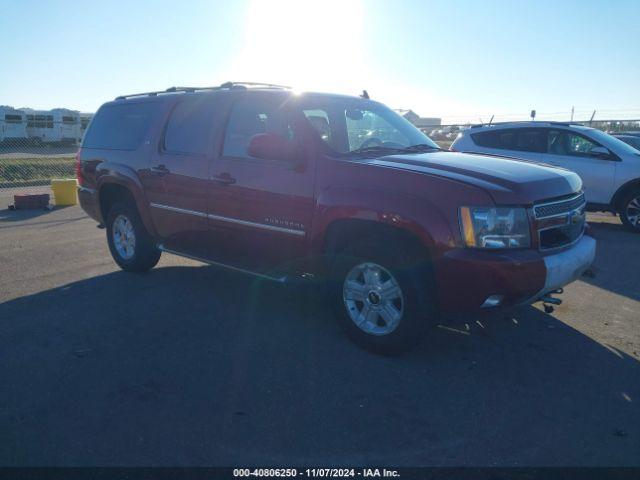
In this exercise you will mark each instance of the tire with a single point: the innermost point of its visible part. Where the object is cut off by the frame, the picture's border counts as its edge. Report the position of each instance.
(381, 333)
(630, 210)
(139, 255)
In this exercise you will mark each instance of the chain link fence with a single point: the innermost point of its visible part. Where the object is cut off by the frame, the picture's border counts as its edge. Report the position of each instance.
(33, 152)
(38, 146)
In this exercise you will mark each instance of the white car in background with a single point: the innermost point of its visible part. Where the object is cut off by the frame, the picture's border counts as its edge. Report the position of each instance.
(609, 168)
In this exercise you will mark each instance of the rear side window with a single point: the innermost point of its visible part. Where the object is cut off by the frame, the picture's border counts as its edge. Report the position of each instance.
(120, 127)
(521, 139)
(190, 126)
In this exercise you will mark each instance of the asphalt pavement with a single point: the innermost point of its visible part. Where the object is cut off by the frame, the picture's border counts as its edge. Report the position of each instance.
(193, 365)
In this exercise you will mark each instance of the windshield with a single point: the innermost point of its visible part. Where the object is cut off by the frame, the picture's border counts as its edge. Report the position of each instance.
(612, 142)
(351, 125)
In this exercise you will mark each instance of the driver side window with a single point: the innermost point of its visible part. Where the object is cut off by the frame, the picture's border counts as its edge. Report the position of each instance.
(563, 142)
(251, 117)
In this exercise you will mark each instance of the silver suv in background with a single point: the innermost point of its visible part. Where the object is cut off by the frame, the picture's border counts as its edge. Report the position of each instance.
(609, 168)
(631, 138)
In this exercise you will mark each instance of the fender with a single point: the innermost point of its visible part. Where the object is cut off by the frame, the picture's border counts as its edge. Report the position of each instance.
(117, 173)
(401, 210)
(617, 197)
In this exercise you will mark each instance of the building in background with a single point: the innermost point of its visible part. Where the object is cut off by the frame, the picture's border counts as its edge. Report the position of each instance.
(417, 120)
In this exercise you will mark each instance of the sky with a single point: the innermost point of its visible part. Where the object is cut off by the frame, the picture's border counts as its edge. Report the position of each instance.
(463, 61)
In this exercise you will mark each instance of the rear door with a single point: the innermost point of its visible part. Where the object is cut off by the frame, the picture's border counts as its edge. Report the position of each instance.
(525, 143)
(570, 150)
(260, 210)
(179, 173)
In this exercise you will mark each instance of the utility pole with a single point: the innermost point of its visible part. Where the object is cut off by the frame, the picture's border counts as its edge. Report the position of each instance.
(572, 109)
(591, 119)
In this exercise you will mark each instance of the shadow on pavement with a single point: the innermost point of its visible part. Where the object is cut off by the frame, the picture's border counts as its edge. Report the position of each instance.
(10, 216)
(616, 264)
(196, 366)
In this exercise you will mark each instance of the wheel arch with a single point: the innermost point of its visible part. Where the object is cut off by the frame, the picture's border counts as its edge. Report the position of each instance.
(115, 188)
(622, 191)
(341, 232)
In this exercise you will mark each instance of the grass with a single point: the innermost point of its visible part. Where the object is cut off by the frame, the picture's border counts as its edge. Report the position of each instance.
(17, 172)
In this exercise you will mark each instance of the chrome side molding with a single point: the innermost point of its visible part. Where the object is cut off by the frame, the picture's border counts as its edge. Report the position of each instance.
(237, 221)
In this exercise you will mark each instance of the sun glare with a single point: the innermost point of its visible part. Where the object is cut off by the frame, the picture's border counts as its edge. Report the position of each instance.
(315, 45)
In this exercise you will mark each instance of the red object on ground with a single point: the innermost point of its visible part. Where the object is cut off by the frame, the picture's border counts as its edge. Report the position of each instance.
(25, 201)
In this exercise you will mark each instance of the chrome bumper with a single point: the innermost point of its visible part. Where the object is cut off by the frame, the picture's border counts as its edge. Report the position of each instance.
(566, 267)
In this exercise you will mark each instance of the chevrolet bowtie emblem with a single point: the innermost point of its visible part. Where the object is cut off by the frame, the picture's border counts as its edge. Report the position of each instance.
(575, 218)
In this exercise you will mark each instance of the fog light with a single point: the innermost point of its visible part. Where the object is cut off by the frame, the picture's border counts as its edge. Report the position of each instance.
(493, 301)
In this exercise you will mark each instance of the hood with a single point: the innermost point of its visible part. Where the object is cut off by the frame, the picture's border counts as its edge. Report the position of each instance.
(508, 181)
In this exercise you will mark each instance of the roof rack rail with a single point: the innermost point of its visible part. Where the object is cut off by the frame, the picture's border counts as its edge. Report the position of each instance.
(168, 90)
(541, 122)
(252, 84)
(226, 85)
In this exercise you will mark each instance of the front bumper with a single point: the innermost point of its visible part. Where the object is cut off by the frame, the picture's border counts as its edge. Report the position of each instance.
(567, 266)
(466, 278)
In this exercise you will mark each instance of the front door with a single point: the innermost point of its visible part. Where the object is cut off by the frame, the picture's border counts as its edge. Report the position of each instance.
(570, 150)
(260, 210)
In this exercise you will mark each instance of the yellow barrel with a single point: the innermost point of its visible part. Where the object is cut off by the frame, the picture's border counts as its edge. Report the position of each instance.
(64, 191)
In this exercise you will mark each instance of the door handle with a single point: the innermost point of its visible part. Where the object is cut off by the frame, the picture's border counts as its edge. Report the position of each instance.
(224, 178)
(160, 170)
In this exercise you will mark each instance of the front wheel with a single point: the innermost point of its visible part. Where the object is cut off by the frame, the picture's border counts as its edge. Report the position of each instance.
(131, 246)
(630, 211)
(383, 299)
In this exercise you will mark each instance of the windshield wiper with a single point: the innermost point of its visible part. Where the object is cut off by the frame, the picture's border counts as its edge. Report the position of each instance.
(373, 149)
(421, 147)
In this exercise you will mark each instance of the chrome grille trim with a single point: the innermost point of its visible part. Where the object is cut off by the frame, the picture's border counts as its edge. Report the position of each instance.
(566, 209)
(559, 207)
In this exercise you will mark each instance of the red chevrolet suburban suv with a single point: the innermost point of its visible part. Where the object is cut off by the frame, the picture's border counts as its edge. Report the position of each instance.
(286, 185)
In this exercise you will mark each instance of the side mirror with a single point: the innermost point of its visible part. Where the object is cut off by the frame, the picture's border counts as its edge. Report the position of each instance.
(271, 146)
(600, 152)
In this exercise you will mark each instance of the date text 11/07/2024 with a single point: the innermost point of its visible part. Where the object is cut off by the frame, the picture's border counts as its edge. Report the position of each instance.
(316, 472)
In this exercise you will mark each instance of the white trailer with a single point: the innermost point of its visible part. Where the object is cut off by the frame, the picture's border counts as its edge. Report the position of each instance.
(85, 120)
(59, 125)
(13, 124)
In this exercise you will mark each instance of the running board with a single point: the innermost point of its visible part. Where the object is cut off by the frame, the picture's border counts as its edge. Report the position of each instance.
(223, 265)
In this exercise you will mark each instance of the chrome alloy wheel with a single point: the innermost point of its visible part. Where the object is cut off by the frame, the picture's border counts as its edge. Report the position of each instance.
(632, 211)
(373, 299)
(124, 237)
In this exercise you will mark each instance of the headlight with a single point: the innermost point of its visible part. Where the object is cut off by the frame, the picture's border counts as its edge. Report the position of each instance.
(486, 227)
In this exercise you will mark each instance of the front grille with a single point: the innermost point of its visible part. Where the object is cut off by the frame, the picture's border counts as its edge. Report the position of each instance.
(561, 222)
(551, 209)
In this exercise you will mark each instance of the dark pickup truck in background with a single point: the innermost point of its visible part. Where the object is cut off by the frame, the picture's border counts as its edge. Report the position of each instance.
(282, 185)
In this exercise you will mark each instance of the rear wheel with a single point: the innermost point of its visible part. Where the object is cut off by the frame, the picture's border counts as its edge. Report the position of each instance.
(382, 296)
(630, 210)
(130, 244)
